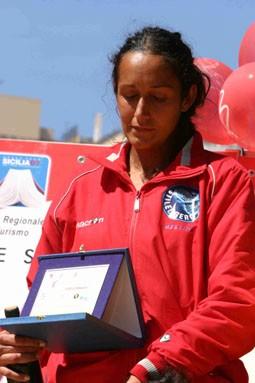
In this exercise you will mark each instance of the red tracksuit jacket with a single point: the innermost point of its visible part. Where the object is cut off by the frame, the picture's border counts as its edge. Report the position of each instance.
(191, 235)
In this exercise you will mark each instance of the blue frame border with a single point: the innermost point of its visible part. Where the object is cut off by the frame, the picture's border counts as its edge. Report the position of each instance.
(113, 257)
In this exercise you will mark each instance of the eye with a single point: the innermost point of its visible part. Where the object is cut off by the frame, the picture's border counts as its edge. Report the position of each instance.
(158, 97)
(130, 97)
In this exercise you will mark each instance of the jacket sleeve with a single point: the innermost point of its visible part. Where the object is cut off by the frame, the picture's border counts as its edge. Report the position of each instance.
(221, 328)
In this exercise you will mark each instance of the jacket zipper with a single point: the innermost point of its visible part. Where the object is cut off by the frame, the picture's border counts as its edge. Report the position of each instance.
(136, 210)
(137, 202)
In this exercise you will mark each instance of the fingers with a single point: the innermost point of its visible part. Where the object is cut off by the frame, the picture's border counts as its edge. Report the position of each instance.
(7, 339)
(17, 350)
(17, 358)
(18, 377)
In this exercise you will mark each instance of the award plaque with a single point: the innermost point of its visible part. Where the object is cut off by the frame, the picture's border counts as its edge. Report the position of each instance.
(82, 302)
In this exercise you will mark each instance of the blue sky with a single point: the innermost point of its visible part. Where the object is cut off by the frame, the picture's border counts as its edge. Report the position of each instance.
(57, 50)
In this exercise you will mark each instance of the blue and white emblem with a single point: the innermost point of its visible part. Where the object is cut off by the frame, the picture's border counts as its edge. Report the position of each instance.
(181, 203)
(23, 179)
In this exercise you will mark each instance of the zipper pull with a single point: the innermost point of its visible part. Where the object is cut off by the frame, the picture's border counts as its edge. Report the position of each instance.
(137, 203)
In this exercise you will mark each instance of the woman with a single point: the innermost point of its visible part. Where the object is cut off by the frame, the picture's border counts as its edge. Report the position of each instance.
(187, 217)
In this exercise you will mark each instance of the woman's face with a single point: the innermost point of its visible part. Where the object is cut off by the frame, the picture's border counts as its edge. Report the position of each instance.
(149, 99)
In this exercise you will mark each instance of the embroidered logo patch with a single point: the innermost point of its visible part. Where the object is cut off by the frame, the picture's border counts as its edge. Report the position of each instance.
(181, 203)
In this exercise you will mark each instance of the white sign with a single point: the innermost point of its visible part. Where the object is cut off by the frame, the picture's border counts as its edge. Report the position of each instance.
(69, 290)
(20, 230)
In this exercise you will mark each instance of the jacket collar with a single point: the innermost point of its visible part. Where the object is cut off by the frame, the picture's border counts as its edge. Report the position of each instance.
(190, 158)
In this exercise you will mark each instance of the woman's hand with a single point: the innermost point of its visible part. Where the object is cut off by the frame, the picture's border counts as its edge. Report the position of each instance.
(133, 379)
(17, 350)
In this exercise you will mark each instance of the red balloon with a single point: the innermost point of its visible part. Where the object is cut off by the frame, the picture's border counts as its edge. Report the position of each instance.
(207, 119)
(247, 46)
(237, 105)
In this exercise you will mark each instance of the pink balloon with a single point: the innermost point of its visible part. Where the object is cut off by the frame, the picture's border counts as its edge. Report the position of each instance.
(247, 46)
(207, 119)
(237, 105)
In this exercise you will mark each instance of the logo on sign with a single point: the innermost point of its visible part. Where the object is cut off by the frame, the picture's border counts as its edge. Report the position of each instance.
(23, 179)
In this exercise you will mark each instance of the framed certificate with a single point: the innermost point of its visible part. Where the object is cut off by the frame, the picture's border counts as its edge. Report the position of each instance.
(82, 302)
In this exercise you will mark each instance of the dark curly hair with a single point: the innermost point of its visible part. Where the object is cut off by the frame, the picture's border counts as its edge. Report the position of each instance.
(177, 53)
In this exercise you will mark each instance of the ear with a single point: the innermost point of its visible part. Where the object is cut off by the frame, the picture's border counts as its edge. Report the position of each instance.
(189, 99)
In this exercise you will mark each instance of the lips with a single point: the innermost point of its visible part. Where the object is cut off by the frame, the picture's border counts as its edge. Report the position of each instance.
(142, 129)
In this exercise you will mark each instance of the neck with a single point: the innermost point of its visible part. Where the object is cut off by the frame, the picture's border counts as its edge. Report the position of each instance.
(146, 164)
(146, 161)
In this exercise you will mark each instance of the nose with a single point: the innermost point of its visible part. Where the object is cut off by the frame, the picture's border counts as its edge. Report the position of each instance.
(142, 109)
